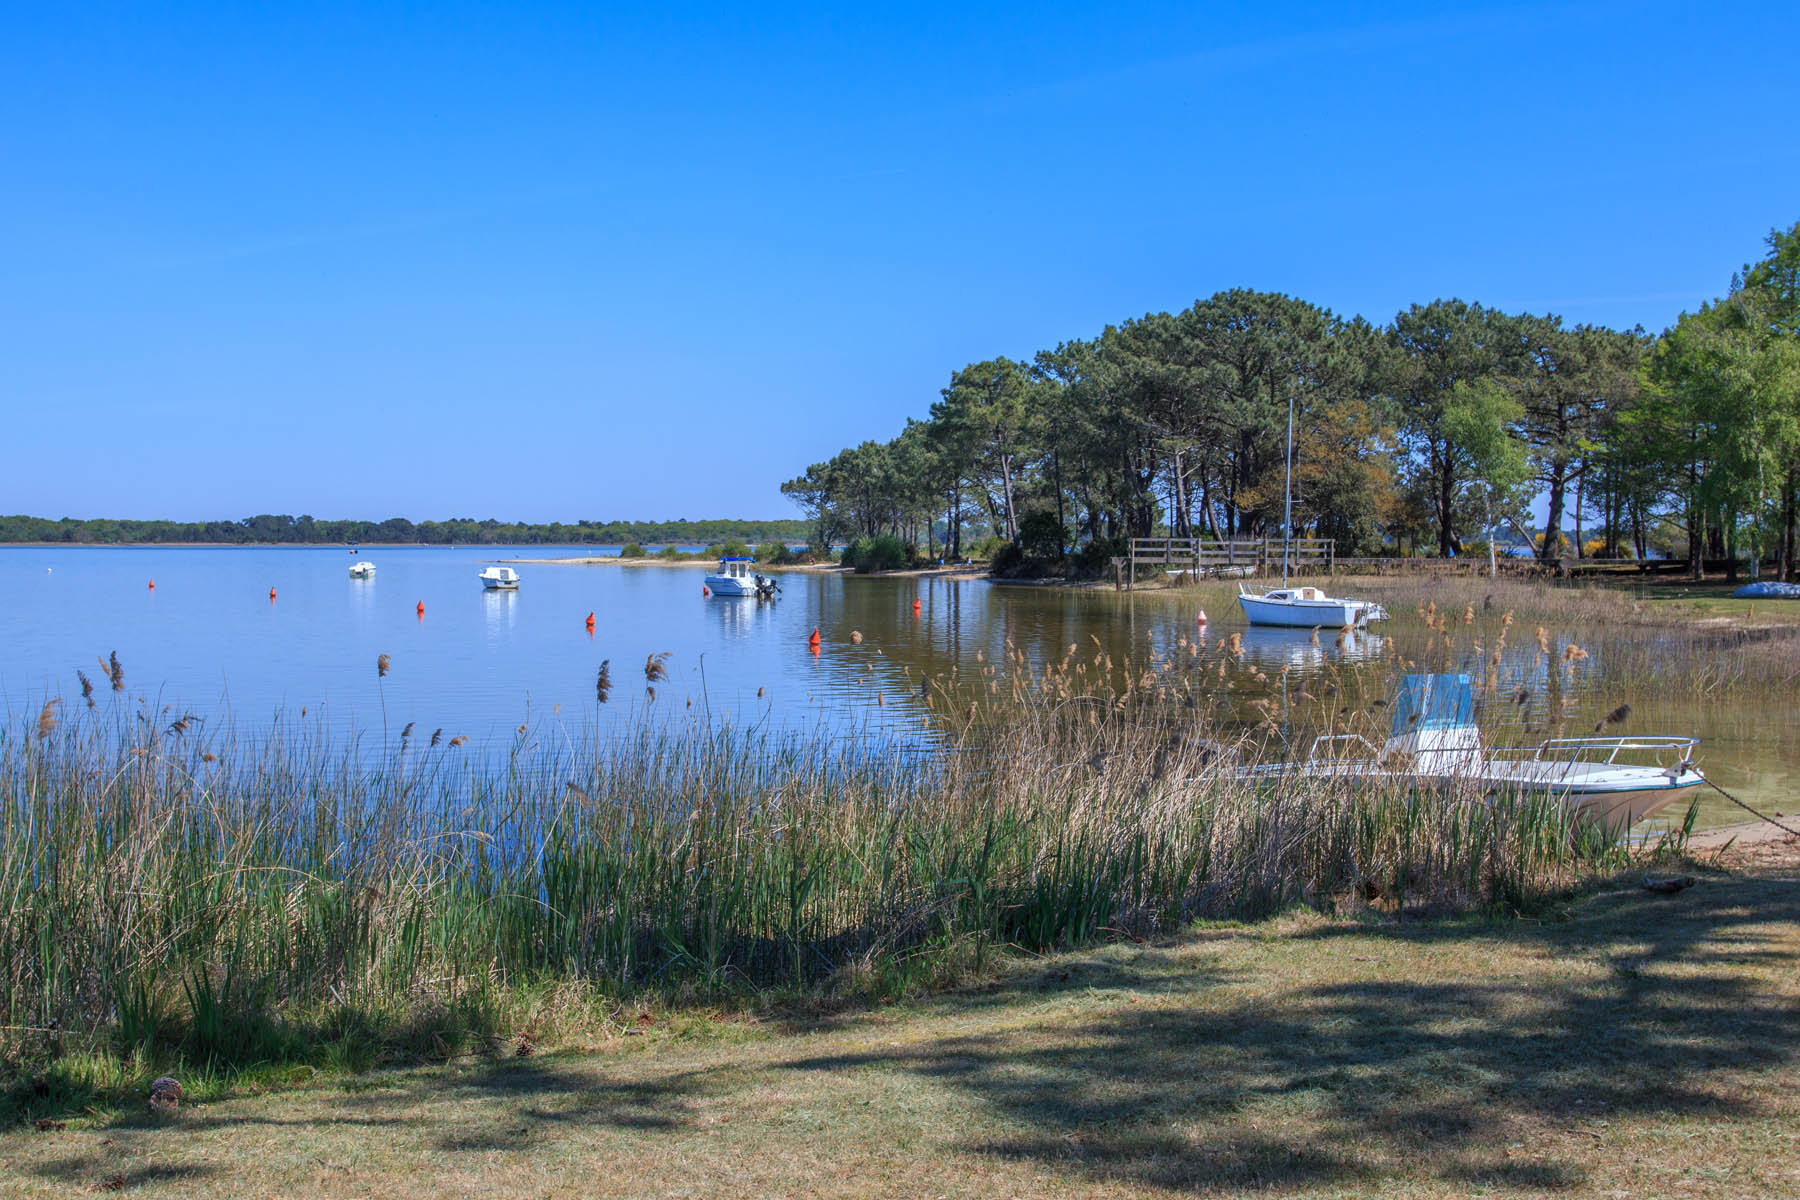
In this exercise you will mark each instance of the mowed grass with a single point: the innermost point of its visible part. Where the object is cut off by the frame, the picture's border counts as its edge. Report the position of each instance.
(1636, 1045)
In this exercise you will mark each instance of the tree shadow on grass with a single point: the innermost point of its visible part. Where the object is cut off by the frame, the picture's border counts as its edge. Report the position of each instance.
(94, 1173)
(1442, 1071)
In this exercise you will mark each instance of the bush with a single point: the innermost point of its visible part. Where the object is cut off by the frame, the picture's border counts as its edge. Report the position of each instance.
(776, 554)
(631, 550)
(1094, 560)
(1041, 537)
(883, 552)
(988, 547)
(670, 552)
(728, 550)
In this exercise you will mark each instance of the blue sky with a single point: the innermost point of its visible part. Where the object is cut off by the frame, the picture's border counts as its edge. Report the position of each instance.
(549, 262)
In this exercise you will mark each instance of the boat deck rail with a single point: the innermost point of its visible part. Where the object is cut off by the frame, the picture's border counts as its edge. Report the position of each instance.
(1604, 750)
(1331, 740)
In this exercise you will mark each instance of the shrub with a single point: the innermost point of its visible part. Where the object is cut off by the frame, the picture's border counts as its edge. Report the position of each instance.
(1041, 537)
(631, 550)
(670, 552)
(1094, 559)
(883, 552)
(728, 550)
(987, 547)
(776, 554)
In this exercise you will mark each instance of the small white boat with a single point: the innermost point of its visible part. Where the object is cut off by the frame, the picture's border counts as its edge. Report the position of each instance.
(499, 579)
(1306, 607)
(735, 578)
(362, 570)
(1614, 781)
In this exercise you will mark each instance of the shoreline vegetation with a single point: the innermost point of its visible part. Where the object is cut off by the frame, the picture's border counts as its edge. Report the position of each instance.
(282, 529)
(247, 910)
(1437, 432)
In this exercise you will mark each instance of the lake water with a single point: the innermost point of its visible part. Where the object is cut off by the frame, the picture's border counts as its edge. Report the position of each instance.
(209, 639)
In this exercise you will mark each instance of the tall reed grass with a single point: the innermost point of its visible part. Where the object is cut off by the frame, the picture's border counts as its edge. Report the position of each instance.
(169, 894)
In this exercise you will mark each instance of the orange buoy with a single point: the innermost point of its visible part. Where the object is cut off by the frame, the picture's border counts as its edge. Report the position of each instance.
(421, 608)
(590, 620)
(153, 585)
(813, 641)
(705, 591)
(916, 607)
(271, 593)
(1201, 619)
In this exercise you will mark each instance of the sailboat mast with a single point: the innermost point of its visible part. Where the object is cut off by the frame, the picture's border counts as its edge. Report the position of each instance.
(1287, 490)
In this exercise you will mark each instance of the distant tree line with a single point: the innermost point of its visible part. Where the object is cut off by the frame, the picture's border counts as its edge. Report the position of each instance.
(1410, 437)
(281, 528)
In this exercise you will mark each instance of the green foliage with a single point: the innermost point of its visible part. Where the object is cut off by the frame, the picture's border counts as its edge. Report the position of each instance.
(882, 552)
(276, 904)
(1094, 559)
(631, 550)
(1042, 537)
(461, 530)
(776, 554)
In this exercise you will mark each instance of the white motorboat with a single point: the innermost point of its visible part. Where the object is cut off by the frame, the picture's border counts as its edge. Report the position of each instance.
(1614, 781)
(362, 570)
(499, 579)
(1306, 607)
(735, 578)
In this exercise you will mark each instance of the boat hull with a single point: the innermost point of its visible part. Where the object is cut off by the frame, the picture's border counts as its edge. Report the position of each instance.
(1305, 614)
(727, 585)
(1615, 800)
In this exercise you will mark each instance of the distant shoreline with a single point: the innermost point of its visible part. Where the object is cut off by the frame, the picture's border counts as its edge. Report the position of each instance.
(969, 570)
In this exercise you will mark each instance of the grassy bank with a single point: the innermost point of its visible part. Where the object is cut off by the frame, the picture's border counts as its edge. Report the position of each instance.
(1633, 1045)
(234, 909)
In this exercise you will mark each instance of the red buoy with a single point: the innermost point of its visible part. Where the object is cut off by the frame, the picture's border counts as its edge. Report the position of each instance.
(813, 641)
(421, 608)
(153, 585)
(705, 591)
(916, 607)
(271, 593)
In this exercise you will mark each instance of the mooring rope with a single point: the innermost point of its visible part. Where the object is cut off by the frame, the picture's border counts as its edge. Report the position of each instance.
(1758, 815)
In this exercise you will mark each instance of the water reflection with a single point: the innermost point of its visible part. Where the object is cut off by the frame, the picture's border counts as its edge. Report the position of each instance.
(480, 662)
(499, 611)
(1302, 649)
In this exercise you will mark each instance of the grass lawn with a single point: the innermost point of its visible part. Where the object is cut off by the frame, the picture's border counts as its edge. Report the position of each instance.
(1644, 1045)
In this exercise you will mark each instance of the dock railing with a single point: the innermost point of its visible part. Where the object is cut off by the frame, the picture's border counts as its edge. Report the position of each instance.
(1202, 558)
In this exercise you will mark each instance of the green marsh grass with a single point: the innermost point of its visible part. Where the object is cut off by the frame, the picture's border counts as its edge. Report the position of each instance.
(173, 897)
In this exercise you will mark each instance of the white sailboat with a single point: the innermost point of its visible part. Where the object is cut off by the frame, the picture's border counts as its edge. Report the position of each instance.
(1301, 607)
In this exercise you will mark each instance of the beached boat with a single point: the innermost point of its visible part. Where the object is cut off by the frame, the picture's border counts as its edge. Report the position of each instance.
(735, 578)
(1306, 607)
(362, 570)
(1614, 781)
(499, 579)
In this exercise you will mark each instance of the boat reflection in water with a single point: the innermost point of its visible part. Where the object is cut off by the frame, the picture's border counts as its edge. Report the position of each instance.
(1302, 649)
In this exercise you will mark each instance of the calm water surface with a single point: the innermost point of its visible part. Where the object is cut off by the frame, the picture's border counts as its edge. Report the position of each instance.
(208, 639)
